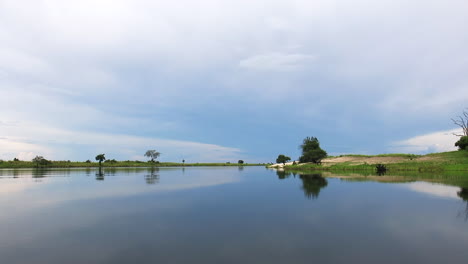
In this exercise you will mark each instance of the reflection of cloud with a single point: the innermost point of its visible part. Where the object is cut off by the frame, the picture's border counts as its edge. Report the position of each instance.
(111, 187)
(9, 188)
(434, 189)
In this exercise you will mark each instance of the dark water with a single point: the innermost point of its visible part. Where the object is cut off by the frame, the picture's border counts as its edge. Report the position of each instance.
(229, 215)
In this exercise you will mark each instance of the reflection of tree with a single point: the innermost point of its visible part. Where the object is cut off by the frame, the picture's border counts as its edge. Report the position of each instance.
(283, 174)
(153, 176)
(240, 168)
(463, 194)
(100, 175)
(311, 185)
(39, 173)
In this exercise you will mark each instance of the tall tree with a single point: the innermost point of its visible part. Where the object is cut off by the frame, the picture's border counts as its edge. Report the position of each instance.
(462, 122)
(311, 151)
(153, 154)
(100, 158)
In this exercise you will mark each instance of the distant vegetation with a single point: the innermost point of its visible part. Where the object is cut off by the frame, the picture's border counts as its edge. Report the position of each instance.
(40, 161)
(109, 163)
(100, 158)
(153, 154)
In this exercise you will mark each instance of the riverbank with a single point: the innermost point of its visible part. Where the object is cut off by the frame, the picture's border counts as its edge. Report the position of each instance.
(113, 164)
(433, 163)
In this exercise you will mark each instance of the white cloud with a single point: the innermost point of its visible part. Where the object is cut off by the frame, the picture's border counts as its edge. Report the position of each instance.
(276, 62)
(433, 142)
(55, 143)
(14, 148)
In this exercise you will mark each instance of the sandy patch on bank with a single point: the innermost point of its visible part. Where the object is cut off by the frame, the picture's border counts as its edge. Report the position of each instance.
(352, 160)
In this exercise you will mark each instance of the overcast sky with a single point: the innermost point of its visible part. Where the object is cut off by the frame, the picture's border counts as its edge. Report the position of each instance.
(224, 80)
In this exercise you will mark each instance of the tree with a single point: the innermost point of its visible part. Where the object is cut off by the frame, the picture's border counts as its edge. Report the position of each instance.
(153, 154)
(240, 162)
(311, 151)
(462, 143)
(282, 159)
(100, 158)
(462, 122)
(40, 161)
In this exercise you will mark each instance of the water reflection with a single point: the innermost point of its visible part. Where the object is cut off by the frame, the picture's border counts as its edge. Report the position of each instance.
(283, 174)
(312, 184)
(153, 176)
(39, 173)
(463, 194)
(100, 175)
(221, 204)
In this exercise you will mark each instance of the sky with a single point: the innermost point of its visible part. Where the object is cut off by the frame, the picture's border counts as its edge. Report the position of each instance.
(223, 80)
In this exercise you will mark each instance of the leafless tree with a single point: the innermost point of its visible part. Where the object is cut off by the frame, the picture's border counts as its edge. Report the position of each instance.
(462, 121)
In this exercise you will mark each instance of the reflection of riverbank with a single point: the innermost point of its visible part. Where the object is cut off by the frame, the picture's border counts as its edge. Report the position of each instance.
(447, 186)
(451, 180)
(458, 180)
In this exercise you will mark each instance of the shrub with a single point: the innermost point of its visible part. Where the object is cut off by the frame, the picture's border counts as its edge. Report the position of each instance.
(462, 143)
(314, 155)
(282, 159)
(240, 162)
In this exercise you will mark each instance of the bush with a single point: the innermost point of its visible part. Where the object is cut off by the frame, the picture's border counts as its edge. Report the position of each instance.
(462, 143)
(240, 162)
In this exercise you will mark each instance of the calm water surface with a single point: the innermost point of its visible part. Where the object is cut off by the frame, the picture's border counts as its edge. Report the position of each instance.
(228, 215)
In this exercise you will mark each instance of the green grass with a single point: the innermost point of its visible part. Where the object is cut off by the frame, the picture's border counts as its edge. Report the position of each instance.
(431, 163)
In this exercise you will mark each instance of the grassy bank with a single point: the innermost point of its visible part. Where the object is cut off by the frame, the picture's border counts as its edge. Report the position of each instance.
(76, 164)
(431, 163)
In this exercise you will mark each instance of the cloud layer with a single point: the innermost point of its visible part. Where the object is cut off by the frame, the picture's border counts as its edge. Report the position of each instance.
(238, 75)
